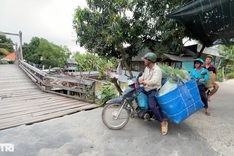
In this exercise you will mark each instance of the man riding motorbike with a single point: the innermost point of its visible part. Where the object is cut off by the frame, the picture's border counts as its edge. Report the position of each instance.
(151, 79)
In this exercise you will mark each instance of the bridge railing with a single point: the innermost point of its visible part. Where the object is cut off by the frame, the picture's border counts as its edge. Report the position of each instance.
(78, 88)
(34, 73)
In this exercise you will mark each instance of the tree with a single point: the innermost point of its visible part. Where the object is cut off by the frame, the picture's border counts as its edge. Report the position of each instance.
(104, 28)
(6, 43)
(228, 54)
(53, 55)
(29, 50)
(159, 33)
(90, 62)
(121, 28)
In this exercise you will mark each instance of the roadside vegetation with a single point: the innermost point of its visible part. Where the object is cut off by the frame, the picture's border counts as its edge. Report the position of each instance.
(6, 47)
(91, 62)
(52, 54)
(227, 64)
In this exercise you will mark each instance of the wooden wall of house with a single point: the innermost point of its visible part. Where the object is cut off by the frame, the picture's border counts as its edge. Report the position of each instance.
(137, 66)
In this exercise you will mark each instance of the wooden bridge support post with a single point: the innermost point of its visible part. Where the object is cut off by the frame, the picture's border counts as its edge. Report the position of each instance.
(21, 52)
(68, 85)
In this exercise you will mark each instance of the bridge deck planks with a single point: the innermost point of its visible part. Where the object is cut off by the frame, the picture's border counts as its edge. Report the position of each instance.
(23, 103)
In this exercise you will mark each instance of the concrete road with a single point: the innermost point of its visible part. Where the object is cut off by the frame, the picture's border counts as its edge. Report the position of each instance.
(83, 134)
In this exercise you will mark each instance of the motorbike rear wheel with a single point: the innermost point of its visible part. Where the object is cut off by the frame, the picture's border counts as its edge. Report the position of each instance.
(114, 117)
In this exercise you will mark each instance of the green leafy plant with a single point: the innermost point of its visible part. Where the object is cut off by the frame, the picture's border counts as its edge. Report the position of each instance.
(230, 75)
(107, 93)
(93, 62)
(174, 74)
(219, 75)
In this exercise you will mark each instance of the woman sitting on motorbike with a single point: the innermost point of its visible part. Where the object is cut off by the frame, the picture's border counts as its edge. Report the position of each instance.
(202, 76)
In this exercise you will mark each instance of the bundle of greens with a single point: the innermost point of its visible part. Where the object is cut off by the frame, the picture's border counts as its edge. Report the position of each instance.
(167, 87)
(174, 74)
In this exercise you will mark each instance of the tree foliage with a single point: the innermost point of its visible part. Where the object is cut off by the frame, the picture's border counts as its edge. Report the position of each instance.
(228, 54)
(6, 43)
(122, 28)
(104, 28)
(53, 55)
(4, 51)
(159, 33)
(91, 62)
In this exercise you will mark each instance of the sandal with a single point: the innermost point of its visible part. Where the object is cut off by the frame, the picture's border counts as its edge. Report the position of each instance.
(164, 128)
(207, 113)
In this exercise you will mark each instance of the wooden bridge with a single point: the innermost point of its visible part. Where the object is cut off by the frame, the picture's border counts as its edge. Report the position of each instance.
(23, 102)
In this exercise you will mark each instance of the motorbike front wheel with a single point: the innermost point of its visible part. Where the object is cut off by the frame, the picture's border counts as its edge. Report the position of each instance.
(114, 116)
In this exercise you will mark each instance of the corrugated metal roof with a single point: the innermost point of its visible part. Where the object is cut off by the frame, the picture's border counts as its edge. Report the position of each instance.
(211, 50)
(178, 58)
(72, 60)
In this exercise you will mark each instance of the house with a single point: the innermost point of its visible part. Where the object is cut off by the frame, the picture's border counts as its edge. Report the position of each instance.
(137, 64)
(185, 61)
(182, 61)
(71, 66)
(10, 57)
(214, 51)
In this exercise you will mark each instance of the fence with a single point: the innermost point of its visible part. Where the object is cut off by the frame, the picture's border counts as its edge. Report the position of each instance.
(78, 88)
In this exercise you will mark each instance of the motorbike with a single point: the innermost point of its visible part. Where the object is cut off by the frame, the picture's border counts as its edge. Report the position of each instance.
(117, 111)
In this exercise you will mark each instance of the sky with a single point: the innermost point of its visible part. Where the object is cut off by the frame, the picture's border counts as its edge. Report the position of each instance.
(48, 19)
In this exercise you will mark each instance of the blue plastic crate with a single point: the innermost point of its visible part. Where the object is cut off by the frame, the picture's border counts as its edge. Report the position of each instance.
(180, 103)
